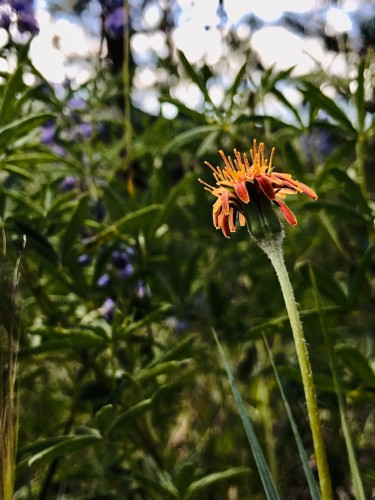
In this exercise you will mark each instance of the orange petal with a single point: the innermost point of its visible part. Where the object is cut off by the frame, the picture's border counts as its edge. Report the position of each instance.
(241, 219)
(225, 226)
(224, 198)
(266, 186)
(308, 191)
(287, 213)
(241, 191)
(215, 218)
(232, 220)
(217, 205)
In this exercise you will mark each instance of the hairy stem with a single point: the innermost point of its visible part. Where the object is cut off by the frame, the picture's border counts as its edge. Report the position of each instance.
(272, 246)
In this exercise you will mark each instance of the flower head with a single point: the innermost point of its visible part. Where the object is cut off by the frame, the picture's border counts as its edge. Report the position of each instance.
(246, 187)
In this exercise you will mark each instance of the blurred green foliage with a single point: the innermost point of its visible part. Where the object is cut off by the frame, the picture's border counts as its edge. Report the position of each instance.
(121, 391)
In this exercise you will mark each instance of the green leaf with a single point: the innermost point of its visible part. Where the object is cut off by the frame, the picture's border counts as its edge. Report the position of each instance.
(169, 203)
(352, 189)
(191, 113)
(208, 143)
(315, 96)
(237, 82)
(205, 482)
(134, 412)
(314, 490)
(35, 157)
(357, 278)
(26, 203)
(70, 444)
(357, 363)
(132, 222)
(73, 227)
(161, 369)
(166, 489)
(104, 417)
(342, 211)
(12, 87)
(264, 472)
(328, 285)
(273, 323)
(195, 77)
(287, 104)
(19, 128)
(188, 136)
(70, 339)
(37, 241)
(18, 171)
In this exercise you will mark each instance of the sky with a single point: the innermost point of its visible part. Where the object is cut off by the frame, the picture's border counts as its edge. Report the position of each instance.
(65, 48)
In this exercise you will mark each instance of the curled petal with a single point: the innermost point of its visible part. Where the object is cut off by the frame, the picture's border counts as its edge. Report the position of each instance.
(224, 198)
(215, 218)
(287, 213)
(241, 191)
(224, 225)
(266, 186)
(232, 220)
(305, 189)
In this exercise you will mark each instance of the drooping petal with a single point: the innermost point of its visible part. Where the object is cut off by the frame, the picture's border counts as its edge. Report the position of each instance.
(241, 219)
(305, 189)
(232, 220)
(215, 218)
(241, 191)
(225, 226)
(287, 213)
(225, 202)
(266, 186)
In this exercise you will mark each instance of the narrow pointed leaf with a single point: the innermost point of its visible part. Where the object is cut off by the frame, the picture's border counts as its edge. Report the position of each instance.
(264, 472)
(195, 77)
(200, 485)
(314, 490)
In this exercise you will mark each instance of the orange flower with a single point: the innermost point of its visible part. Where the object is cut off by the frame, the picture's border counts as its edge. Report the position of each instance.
(240, 183)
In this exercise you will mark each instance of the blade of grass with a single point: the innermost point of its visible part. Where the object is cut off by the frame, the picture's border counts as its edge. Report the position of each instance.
(356, 477)
(264, 472)
(314, 490)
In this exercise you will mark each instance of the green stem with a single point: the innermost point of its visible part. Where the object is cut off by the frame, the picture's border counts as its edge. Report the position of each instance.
(356, 477)
(127, 103)
(272, 246)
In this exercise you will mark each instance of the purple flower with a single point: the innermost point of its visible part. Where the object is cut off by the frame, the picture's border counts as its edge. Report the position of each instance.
(115, 22)
(111, 4)
(82, 131)
(22, 5)
(98, 210)
(181, 327)
(108, 309)
(141, 291)
(68, 184)
(84, 260)
(4, 20)
(48, 132)
(27, 23)
(104, 132)
(120, 259)
(104, 280)
(76, 103)
(58, 150)
(85, 129)
(126, 271)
